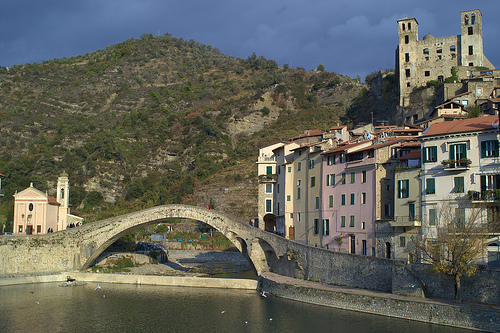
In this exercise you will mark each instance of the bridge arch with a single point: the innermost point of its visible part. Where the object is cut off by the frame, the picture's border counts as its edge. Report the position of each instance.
(102, 234)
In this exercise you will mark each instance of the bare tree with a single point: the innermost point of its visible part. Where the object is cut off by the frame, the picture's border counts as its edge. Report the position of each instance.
(456, 242)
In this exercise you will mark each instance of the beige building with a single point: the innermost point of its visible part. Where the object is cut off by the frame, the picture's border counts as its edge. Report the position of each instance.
(37, 213)
(420, 61)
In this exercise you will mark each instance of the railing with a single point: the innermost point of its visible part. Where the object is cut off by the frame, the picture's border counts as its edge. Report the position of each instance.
(458, 165)
(488, 195)
(267, 159)
(268, 178)
(406, 221)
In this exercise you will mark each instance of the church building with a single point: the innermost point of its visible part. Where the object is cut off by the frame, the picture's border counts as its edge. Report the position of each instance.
(37, 213)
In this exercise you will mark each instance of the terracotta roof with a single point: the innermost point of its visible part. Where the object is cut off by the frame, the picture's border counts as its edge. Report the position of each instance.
(411, 155)
(390, 141)
(410, 144)
(462, 94)
(2, 175)
(494, 100)
(450, 102)
(52, 200)
(463, 125)
(314, 132)
(344, 147)
(337, 127)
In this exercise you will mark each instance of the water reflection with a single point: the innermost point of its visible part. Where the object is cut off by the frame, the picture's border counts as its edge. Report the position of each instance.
(130, 308)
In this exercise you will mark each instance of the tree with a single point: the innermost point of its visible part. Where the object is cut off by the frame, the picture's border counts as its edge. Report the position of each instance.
(455, 245)
(321, 68)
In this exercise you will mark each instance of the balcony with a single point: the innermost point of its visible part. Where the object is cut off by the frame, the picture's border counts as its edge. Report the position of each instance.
(406, 221)
(268, 178)
(487, 196)
(267, 159)
(456, 165)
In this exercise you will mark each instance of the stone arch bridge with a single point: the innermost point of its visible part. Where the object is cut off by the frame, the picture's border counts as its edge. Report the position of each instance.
(78, 248)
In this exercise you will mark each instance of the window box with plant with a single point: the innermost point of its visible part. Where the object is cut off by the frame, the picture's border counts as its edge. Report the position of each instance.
(456, 164)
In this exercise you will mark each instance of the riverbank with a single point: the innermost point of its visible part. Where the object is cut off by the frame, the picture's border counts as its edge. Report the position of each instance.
(436, 311)
(154, 280)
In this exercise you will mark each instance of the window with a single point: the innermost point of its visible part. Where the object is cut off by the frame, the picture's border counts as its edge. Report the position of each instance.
(288, 197)
(269, 206)
(471, 64)
(278, 188)
(313, 181)
(269, 170)
(402, 241)
(432, 217)
(330, 201)
(409, 25)
(489, 148)
(316, 226)
(426, 51)
(269, 188)
(453, 48)
(311, 164)
(30, 207)
(460, 217)
(330, 179)
(473, 18)
(371, 153)
(363, 176)
(387, 210)
(427, 73)
(471, 50)
(351, 223)
(459, 184)
(298, 217)
(439, 51)
(330, 160)
(298, 193)
(353, 177)
(352, 198)
(458, 151)
(291, 215)
(299, 166)
(407, 57)
(430, 154)
(62, 193)
(342, 199)
(342, 178)
(407, 72)
(407, 39)
(430, 186)
(289, 169)
(326, 227)
(470, 31)
(404, 27)
(278, 169)
(342, 221)
(363, 225)
(341, 158)
(403, 188)
(363, 198)
(317, 203)
(466, 19)
(20, 228)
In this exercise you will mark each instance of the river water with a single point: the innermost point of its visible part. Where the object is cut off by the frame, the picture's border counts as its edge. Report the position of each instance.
(48, 307)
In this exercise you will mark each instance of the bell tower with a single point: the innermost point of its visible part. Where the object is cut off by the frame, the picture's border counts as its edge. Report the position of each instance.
(63, 200)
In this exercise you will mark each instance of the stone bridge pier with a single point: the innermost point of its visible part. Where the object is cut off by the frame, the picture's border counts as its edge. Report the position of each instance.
(78, 248)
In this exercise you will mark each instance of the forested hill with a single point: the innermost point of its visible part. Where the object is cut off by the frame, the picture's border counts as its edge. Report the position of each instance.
(149, 120)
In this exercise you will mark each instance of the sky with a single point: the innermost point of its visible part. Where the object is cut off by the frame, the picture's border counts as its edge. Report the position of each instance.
(349, 37)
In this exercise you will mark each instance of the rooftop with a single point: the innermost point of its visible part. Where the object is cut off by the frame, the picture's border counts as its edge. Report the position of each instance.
(463, 125)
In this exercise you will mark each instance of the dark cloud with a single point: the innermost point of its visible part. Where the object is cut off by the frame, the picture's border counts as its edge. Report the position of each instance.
(352, 37)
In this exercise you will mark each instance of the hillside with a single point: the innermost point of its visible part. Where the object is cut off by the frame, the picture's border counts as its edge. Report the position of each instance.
(157, 120)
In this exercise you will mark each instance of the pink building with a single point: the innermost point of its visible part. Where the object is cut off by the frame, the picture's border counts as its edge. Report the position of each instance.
(358, 195)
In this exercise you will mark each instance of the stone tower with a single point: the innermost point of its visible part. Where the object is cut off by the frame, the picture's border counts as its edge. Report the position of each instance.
(406, 56)
(471, 33)
(63, 200)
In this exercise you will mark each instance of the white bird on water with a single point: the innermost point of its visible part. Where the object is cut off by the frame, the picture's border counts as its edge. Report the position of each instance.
(98, 286)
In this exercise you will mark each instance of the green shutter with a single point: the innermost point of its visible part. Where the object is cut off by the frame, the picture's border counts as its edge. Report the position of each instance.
(432, 217)
(495, 148)
(424, 155)
(434, 153)
(330, 201)
(399, 189)
(483, 149)
(407, 188)
(342, 221)
(463, 150)
(483, 183)
(452, 152)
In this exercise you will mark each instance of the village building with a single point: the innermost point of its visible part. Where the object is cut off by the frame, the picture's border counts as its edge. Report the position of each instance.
(461, 168)
(37, 213)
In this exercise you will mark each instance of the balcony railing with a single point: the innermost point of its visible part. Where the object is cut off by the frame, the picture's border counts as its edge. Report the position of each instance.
(267, 159)
(456, 164)
(406, 221)
(268, 178)
(488, 195)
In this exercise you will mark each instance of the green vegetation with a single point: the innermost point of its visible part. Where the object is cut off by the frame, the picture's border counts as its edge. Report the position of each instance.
(120, 265)
(147, 121)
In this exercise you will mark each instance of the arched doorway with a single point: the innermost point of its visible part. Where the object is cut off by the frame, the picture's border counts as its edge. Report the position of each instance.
(270, 222)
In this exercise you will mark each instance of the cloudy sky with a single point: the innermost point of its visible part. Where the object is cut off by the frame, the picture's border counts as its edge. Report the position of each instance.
(350, 37)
